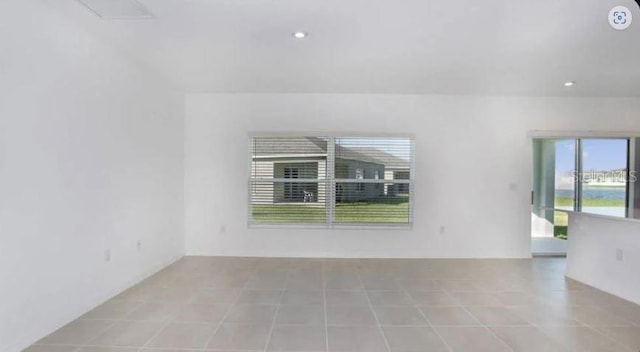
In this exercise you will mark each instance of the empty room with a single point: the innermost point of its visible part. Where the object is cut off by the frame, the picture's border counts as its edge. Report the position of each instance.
(319, 176)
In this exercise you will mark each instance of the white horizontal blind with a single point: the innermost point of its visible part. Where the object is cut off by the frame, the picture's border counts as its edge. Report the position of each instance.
(288, 180)
(331, 181)
(372, 180)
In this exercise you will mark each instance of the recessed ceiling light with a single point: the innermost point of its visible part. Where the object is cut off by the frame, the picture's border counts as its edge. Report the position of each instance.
(569, 84)
(300, 35)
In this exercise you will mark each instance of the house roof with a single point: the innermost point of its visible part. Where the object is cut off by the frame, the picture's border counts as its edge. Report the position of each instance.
(274, 147)
(280, 146)
(372, 155)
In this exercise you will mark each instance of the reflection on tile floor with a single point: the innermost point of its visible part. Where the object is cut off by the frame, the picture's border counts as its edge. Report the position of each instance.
(364, 305)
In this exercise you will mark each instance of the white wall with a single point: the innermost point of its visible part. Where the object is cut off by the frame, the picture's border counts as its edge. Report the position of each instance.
(473, 169)
(91, 158)
(592, 254)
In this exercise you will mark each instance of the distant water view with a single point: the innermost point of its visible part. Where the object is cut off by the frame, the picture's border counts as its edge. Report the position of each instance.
(595, 200)
(595, 192)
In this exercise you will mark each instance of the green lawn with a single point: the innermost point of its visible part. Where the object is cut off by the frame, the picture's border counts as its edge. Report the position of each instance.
(560, 224)
(279, 213)
(373, 212)
(384, 211)
(591, 202)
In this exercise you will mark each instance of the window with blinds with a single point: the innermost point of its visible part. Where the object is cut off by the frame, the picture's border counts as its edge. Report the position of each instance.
(330, 181)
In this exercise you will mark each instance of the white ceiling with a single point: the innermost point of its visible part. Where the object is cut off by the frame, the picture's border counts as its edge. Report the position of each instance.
(117, 9)
(488, 47)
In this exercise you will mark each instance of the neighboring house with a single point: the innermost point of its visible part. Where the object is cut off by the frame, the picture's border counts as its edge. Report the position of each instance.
(395, 168)
(306, 158)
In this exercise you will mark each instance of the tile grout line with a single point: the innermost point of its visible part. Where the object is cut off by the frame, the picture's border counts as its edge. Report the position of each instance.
(414, 303)
(275, 316)
(499, 287)
(593, 328)
(585, 326)
(326, 317)
(485, 326)
(229, 308)
(539, 328)
(115, 321)
(366, 292)
(86, 344)
(164, 325)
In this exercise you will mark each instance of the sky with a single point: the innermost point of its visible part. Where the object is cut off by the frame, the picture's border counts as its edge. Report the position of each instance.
(597, 154)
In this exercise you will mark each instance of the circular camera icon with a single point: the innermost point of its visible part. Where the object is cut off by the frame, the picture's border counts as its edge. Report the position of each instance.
(620, 18)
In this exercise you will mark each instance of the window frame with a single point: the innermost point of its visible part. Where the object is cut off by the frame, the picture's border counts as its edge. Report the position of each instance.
(290, 188)
(360, 187)
(579, 185)
(632, 201)
(331, 181)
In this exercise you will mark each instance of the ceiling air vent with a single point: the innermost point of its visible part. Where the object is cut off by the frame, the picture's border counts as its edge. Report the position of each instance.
(117, 9)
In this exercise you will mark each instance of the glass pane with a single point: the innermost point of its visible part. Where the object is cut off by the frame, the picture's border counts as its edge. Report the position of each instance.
(604, 175)
(289, 157)
(382, 162)
(564, 175)
(368, 157)
(354, 204)
(554, 186)
(564, 185)
(288, 202)
(302, 162)
(560, 224)
(289, 181)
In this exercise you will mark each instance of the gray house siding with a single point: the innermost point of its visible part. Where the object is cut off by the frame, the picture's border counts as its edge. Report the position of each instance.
(350, 192)
(306, 158)
(392, 189)
(269, 192)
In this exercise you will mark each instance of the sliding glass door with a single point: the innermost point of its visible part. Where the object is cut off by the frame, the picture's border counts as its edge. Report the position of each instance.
(591, 175)
(564, 195)
(554, 164)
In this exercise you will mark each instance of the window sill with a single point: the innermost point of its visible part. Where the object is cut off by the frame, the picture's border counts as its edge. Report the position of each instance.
(253, 226)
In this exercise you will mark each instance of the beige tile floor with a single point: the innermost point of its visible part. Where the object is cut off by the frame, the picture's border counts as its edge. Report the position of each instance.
(373, 305)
